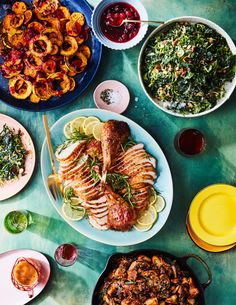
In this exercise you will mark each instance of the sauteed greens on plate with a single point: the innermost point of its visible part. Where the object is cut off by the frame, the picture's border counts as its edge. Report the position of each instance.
(12, 155)
(186, 67)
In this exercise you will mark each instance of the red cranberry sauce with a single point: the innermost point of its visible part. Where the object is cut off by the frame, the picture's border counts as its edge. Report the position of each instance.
(113, 15)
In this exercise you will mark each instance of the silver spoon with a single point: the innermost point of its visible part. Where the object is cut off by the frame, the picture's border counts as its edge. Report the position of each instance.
(136, 21)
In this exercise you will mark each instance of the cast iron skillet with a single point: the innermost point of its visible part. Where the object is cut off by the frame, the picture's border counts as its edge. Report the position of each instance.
(181, 261)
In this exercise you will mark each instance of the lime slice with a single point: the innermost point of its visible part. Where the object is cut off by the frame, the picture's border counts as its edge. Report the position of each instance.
(160, 203)
(89, 120)
(148, 217)
(97, 131)
(67, 130)
(89, 128)
(72, 214)
(141, 228)
(78, 124)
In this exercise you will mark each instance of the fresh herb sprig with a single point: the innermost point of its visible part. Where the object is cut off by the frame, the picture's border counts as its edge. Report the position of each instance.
(92, 163)
(129, 143)
(120, 182)
(12, 154)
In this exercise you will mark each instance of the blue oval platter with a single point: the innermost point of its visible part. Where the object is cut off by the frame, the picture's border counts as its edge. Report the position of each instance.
(83, 80)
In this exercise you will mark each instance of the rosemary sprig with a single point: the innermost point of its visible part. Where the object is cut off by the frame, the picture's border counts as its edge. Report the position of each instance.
(129, 143)
(92, 163)
(120, 182)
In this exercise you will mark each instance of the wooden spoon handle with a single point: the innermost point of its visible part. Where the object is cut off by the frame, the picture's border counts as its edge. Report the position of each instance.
(49, 142)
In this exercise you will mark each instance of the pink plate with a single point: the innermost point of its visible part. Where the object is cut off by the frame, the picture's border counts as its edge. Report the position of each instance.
(120, 96)
(11, 188)
(10, 294)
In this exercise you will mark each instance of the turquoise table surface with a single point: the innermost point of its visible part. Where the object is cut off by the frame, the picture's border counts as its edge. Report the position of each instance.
(74, 285)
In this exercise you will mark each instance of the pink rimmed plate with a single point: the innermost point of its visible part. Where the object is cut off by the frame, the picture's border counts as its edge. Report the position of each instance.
(11, 188)
(10, 294)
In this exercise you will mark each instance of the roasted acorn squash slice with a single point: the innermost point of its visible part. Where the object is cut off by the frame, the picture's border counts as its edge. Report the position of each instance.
(55, 49)
(19, 7)
(85, 50)
(60, 83)
(42, 89)
(28, 16)
(30, 72)
(62, 13)
(9, 71)
(36, 26)
(49, 66)
(72, 83)
(46, 7)
(5, 41)
(34, 98)
(16, 40)
(69, 46)
(73, 28)
(53, 35)
(40, 46)
(19, 87)
(79, 17)
(76, 63)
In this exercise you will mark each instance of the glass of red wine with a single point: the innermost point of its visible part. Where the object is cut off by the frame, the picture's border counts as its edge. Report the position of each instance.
(190, 142)
(66, 255)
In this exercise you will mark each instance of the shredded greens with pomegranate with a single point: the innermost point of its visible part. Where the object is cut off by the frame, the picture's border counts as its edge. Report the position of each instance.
(12, 155)
(186, 67)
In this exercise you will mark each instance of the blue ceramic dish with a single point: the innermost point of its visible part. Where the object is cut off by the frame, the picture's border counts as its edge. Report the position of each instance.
(83, 80)
(163, 183)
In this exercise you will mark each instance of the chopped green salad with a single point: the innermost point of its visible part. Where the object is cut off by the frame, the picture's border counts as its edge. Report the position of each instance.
(185, 68)
(12, 155)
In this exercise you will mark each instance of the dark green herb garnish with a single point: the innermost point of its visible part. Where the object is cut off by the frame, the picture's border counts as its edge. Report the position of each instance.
(120, 182)
(94, 162)
(68, 193)
(12, 155)
(129, 143)
(186, 67)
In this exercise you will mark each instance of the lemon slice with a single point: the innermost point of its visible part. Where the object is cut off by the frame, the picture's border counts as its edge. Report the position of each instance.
(89, 120)
(89, 128)
(153, 197)
(75, 201)
(159, 204)
(97, 131)
(72, 214)
(148, 217)
(141, 228)
(67, 130)
(78, 124)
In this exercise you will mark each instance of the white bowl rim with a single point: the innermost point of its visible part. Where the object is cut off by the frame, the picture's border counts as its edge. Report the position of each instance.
(131, 43)
(193, 19)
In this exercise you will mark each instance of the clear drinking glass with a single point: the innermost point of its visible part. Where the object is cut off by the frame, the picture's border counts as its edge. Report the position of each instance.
(66, 255)
(17, 221)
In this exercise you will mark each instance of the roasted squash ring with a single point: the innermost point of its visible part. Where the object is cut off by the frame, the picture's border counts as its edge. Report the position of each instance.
(34, 98)
(63, 83)
(76, 63)
(79, 17)
(19, 87)
(33, 62)
(73, 28)
(46, 7)
(30, 72)
(14, 21)
(55, 49)
(69, 46)
(62, 13)
(85, 50)
(72, 83)
(19, 7)
(53, 35)
(28, 16)
(36, 26)
(9, 71)
(16, 40)
(42, 89)
(5, 41)
(40, 46)
(49, 66)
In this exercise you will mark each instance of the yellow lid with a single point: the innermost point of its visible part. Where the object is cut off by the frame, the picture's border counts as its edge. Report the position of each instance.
(203, 245)
(212, 215)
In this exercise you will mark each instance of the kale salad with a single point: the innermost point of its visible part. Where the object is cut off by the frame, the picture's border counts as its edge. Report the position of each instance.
(12, 155)
(185, 68)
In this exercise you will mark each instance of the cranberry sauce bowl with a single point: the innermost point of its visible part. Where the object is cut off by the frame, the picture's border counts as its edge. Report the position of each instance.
(107, 17)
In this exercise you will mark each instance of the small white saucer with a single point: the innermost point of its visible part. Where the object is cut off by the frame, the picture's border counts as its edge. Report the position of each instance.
(118, 92)
(9, 293)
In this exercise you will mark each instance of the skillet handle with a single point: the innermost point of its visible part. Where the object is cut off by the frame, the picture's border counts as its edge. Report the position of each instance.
(198, 258)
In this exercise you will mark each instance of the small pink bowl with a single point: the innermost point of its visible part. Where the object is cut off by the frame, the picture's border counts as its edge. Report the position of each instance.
(119, 96)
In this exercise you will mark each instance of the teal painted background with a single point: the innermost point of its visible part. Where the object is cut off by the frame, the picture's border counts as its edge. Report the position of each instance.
(74, 285)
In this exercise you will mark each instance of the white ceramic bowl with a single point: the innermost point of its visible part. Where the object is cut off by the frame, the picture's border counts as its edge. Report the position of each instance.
(96, 17)
(229, 86)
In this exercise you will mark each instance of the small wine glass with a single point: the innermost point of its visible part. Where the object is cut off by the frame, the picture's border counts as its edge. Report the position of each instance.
(66, 255)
